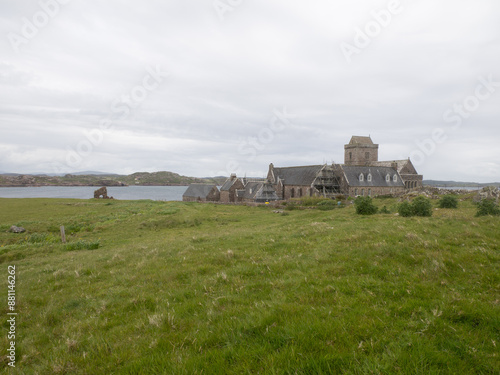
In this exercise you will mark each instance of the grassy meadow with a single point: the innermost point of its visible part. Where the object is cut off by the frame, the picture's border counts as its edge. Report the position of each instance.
(145, 287)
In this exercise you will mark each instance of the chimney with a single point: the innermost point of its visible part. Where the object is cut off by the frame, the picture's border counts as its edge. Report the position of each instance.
(233, 176)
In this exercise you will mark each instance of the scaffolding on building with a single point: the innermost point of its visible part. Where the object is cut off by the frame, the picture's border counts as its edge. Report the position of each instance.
(327, 182)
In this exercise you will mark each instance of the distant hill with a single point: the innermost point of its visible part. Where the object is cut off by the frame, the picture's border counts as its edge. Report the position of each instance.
(162, 178)
(459, 183)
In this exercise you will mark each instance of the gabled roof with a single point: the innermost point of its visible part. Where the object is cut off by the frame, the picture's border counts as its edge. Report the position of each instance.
(251, 189)
(258, 191)
(405, 165)
(356, 139)
(229, 183)
(198, 190)
(378, 174)
(298, 175)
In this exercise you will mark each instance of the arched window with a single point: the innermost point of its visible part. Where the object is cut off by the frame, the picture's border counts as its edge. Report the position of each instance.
(350, 155)
(363, 192)
(292, 193)
(395, 178)
(387, 178)
(369, 177)
(369, 192)
(356, 192)
(299, 192)
(361, 177)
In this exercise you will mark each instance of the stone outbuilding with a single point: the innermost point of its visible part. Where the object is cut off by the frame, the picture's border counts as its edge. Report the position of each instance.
(201, 193)
(294, 182)
(257, 192)
(229, 188)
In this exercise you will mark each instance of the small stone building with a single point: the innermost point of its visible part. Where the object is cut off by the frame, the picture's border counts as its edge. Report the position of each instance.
(201, 193)
(257, 192)
(294, 182)
(229, 188)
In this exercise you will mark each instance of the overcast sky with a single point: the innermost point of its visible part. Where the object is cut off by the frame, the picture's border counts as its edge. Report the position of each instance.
(203, 87)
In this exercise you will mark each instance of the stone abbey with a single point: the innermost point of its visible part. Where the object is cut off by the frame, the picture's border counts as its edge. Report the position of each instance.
(360, 174)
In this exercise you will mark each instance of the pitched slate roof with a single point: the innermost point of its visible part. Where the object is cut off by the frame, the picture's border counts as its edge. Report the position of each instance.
(355, 139)
(266, 193)
(379, 174)
(400, 164)
(227, 185)
(251, 189)
(198, 190)
(258, 191)
(298, 175)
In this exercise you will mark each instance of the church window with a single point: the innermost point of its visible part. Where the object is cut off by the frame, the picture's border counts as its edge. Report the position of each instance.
(356, 192)
(363, 192)
(369, 177)
(387, 178)
(369, 192)
(361, 177)
(395, 178)
(350, 155)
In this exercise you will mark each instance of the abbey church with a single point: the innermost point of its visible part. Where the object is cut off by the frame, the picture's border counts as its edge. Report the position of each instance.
(362, 174)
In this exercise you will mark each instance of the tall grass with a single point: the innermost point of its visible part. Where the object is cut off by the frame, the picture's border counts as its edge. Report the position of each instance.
(186, 288)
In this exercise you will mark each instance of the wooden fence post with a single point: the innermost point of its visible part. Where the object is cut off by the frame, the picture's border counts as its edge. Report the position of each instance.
(63, 234)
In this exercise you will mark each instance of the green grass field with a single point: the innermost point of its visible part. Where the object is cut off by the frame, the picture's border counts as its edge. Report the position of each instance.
(147, 287)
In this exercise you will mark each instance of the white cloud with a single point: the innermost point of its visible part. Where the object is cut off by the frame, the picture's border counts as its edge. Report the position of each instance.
(227, 78)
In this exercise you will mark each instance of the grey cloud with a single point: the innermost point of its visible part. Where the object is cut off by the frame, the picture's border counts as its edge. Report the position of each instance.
(227, 78)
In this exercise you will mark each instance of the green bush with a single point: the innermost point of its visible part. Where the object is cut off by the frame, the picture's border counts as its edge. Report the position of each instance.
(365, 206)
(405, 209)
(422, 206)
(448, 201)
(326, 205)
(487, 207)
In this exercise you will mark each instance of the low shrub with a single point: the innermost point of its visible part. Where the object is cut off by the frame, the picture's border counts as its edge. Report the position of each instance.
(422, 206)
(487, 207)
(326, 205)
(448, 201)
(405, 209)
(365, 206)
